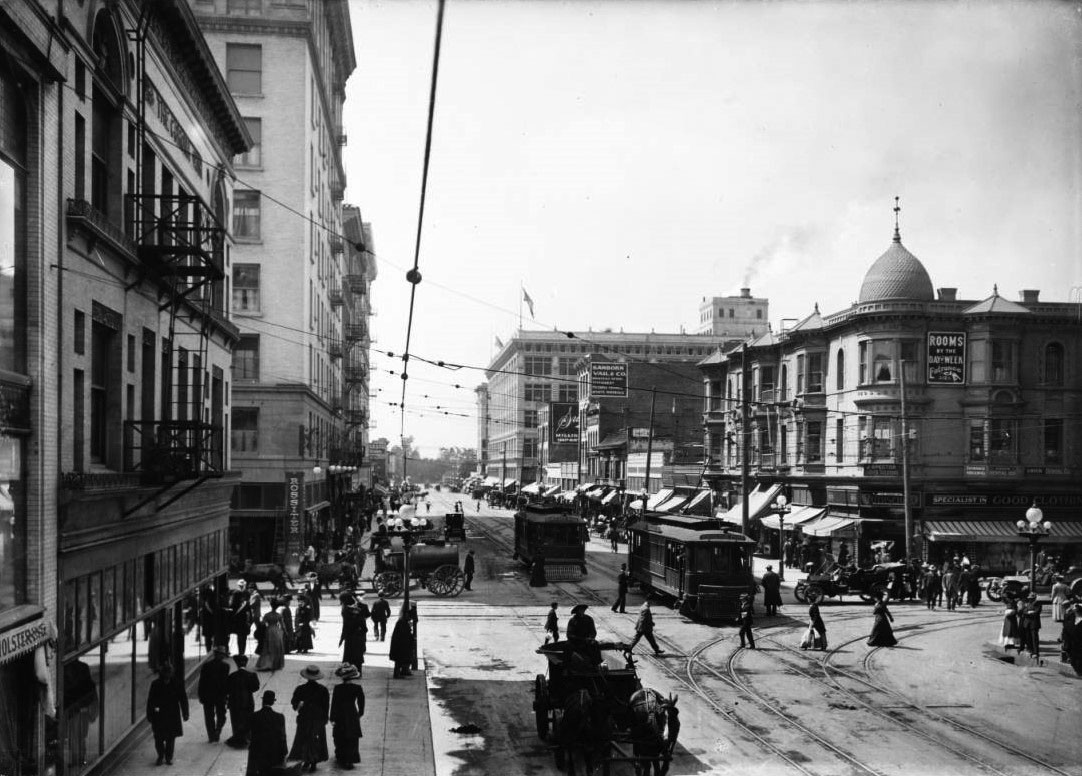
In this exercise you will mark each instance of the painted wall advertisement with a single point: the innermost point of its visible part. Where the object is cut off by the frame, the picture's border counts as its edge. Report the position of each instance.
(294, 519)
(947, 357)
(608, 380)
(563, 423)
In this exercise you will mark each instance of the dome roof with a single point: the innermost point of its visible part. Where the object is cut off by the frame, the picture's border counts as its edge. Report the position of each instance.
(897, 274)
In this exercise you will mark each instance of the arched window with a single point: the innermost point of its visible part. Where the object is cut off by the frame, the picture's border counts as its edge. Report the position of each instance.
(1053, 364)
(839, 368)
(106, 155)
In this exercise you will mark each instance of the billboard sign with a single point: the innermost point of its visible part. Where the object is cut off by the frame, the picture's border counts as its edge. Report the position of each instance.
(947, 357)
(563, 423)
(608, 380)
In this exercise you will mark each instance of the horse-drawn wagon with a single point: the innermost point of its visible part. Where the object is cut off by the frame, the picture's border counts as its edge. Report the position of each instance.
(591, 702)
(435, 565)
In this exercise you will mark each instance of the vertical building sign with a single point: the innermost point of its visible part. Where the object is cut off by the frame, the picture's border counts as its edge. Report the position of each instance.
(294, 544)
(563, 423)
(947, 357)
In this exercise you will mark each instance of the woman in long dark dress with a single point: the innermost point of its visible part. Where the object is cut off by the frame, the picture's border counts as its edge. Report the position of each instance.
(312, 702)
(347, 708)
(815, 620)
(167, 710)
(305, 632)
(882, 634)
(289, 638)
(401, 651)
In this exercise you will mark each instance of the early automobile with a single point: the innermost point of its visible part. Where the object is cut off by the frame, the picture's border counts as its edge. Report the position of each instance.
(830, 580)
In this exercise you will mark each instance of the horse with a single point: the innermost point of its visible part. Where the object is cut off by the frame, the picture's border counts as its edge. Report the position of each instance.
(266, 572)
(655, 725)
(342, 572)
(586, 727)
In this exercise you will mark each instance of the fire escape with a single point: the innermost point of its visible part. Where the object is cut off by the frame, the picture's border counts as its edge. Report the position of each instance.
(180, 245)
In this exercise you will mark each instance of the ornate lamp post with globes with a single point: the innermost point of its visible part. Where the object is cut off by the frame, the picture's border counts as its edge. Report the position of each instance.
(1034, 528)
(781, 506)
(408, 525)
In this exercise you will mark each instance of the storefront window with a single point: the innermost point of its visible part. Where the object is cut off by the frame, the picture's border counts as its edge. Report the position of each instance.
(116, 686)
(13, 136)
(1001, 438)
(82, 710)
(976, 440)
(12, 526)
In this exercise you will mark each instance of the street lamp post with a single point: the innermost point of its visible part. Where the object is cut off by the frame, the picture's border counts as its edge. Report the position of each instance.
(408, 525)
(781, 506)
(1034, 528)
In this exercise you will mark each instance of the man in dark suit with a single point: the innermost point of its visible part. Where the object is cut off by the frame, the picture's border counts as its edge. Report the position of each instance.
(468, 569)
(745, 619)
(771, 591)
(268, 748)
(620, 604)
(240, 615)
(240, 690)
(212, 691)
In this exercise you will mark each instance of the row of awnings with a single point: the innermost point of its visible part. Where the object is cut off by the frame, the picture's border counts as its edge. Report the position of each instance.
(1062, 531)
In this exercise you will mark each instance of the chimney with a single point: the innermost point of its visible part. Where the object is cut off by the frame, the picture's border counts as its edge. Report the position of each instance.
(1029, 295)
(948, 295)
(745, 293)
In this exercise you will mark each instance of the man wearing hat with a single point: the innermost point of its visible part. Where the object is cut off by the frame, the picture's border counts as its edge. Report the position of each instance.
(644, 628)
(268, 748)
(347, 708)
(745, 620)
(354, 635)
(240, 688)
(581, 625)
(468, 568)
(312, 702)
(620, 605)
(381, 613)
(240, 615)
(771, 591)
(213, 677)
(1029, 623)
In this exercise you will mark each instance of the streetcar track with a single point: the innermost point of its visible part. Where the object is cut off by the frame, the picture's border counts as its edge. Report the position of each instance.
(830, 680)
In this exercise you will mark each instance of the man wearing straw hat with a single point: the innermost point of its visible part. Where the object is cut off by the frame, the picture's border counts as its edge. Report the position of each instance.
(347, 708)
(213, 677)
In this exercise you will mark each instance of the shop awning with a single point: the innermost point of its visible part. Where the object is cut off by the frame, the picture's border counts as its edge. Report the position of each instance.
(610, 496)
(1063, 532)
(700, 503)
(798, 516)
(636, 504)
(827, 526)
(760, 500)
(657, 498)
(317, 507)
(492, 482)
(551, 491)
(533, 488)
(510, 483)
(672, 504)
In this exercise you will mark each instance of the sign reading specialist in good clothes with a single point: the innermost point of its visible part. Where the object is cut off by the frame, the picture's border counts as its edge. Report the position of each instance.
(608, 380)
(563, 423)
(947, 357)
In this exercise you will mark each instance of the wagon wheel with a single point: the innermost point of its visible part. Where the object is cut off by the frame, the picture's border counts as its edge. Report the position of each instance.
(1076, 588)
(541, 705)
(799, 593)
(389, 583)
(447, 580)
(995, 590)
(814, 594)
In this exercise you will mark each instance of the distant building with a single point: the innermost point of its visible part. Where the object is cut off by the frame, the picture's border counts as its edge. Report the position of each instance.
(992, 393)
(734, 316)
(537, 368)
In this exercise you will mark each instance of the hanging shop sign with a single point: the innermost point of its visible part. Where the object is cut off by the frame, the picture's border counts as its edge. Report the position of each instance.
(294, 515)
(22, 639)
(563, 423)
(608, 380)
(947, 357)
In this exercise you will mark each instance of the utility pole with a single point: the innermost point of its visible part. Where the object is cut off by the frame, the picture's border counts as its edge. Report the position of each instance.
(745, 438)
(649, 450)
(905, 473)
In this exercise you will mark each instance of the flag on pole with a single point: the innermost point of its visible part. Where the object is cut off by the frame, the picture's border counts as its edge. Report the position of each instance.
(528, 301)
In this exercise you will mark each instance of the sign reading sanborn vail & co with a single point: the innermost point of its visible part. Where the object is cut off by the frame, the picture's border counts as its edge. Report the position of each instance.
(947, 357)
(608, 380)
(563, 423)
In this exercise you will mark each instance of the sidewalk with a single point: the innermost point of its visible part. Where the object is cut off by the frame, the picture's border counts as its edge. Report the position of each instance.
(397, 730)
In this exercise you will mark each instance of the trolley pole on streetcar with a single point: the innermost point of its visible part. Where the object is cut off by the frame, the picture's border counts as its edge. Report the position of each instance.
(745, 438)
(649, 450)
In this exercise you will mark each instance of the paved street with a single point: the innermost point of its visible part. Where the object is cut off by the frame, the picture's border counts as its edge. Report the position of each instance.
(933, 704)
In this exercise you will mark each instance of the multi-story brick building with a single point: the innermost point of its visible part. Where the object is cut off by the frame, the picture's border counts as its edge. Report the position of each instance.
(294, 389)
(116, 159)
(981, 399)
(537, 368)
(734, 316)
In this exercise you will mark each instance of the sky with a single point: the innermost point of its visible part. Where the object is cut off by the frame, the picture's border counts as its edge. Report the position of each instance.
(622, 160)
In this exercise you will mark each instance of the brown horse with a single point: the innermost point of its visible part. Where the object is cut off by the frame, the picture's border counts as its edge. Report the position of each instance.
(655, 727)
(266, 572)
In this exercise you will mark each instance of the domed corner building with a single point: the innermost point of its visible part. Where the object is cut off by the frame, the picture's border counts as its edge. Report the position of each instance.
(992, 397)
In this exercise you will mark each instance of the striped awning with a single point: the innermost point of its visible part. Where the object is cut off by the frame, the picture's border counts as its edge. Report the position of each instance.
(672, 504)
(610, 496)
(759, 501)
(551, 491)
(1064, 532)
(797, 517)
(657, 498)
(827, 526)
